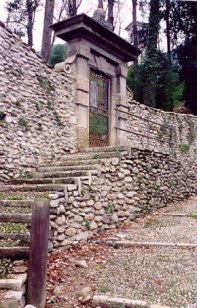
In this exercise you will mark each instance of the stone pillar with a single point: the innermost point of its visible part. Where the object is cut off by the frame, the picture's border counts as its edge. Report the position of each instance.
(123, 101)
(82, 52)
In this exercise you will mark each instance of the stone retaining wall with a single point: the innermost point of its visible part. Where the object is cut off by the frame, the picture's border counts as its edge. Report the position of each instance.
(37, 109)
(185, 125)
(127, 187)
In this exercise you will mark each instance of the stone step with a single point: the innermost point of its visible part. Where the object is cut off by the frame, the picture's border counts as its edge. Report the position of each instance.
(14, 227)
(14, 253)
(104, 149)
(9, 243)
(35, 188)
(72, 163)
(16, 206)
(45, 180)
(25, 237)
(14, 282)
(90, 156)
(62, 174)
(18, 203)
(9, 303)
(15, 217)
(87, 179)
(71, 168)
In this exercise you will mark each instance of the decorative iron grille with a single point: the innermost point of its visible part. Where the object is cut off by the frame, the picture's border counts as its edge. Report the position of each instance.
(99, 110)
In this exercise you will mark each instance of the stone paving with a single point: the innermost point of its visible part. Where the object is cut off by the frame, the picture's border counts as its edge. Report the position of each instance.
(157, 275)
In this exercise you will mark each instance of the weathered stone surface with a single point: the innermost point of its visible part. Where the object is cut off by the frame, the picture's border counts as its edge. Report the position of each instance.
(115, 161)
(89, 216)
(81, 263)
(38, 108)
(60, 220)
(135, 170)
(85, 294)
(71, 231)
(115, 218)
(78, 218)
(82, 236)
(98, 205)
(93, 225)
(106, 219)
(120, 196)
(90, 202)
(61, 237)
(131, 194)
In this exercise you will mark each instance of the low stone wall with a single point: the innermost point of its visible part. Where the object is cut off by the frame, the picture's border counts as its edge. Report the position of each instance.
(37, 109)
(185, 126)
(127, 187)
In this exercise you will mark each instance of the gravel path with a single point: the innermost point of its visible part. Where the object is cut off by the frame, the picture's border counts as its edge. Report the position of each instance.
(163, 275)
(161, 228)
(157, 275)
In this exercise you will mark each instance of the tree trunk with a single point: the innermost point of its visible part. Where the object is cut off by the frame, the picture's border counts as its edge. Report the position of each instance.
(135, 36)
(168, 28)
(153, 32)
(151, 65)
(72, 8)
(29, 22)
(47, 32)
(110, 16)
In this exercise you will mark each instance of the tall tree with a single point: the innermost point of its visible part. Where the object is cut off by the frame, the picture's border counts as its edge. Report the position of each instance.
(110, 15)
(47, 32)
(72, 8)
(151, 63)
(21, 17)
(167, 16)
(67, 9)
(135, 34)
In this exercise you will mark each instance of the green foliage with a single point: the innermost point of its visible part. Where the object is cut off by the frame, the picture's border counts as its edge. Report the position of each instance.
(194, 215)
(40, 127)
(191, 133)
(109, 209)
(95, 156)
(87, 223)
(181, 129)
(23, 123)
(46, 84)
(104, 290)
(162, 131)
(98, 124)
(58, 54)
(2, 116)
(21, 16)
(187, 57)
(57, 118)
(17, 16)
(166, 87)
(14, 197)
(185, 148)
(26, 175)
(49, 104)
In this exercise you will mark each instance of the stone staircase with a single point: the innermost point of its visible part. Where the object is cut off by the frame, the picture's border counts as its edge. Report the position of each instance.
(61, 177)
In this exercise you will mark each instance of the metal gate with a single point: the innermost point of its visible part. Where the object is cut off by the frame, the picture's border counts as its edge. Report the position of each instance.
(99, 110)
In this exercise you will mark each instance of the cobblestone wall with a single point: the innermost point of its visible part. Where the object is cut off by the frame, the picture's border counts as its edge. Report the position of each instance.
(185, 130)
(127, 188)
(37, 109)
